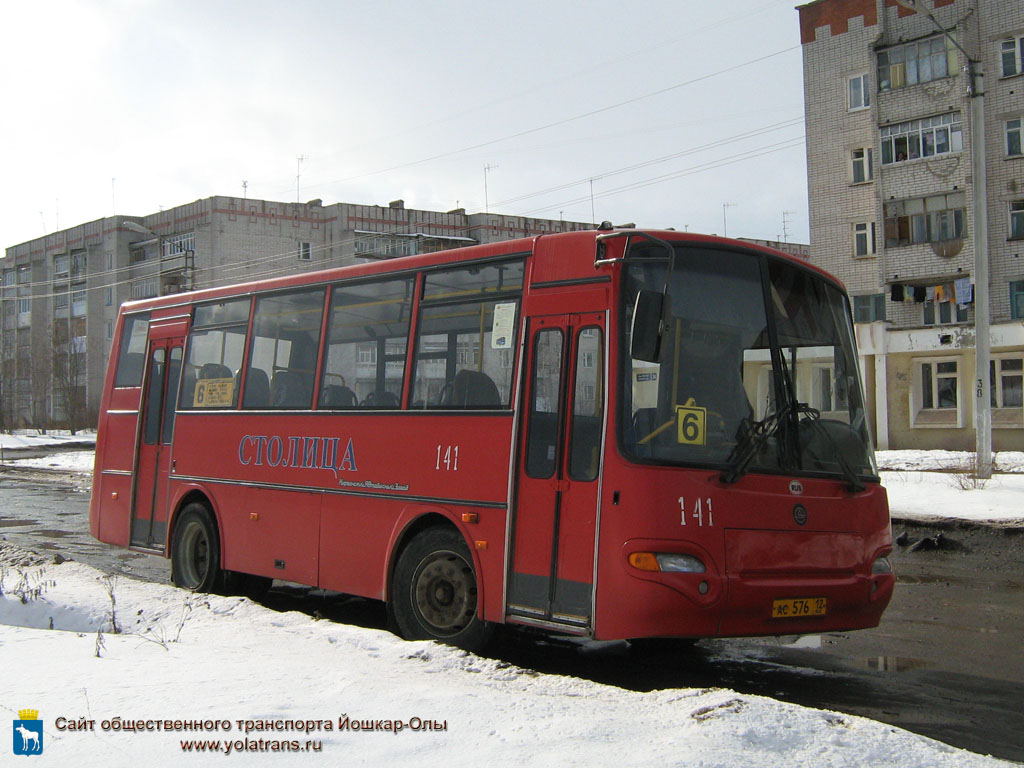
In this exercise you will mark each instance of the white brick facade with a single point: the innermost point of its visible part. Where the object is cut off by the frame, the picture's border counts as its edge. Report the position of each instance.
(844, 39)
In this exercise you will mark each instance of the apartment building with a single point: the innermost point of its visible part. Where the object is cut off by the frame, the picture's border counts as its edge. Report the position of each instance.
(891, 190)
(60, 293)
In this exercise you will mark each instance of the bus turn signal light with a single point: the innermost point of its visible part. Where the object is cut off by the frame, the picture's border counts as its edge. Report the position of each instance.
(645, 561)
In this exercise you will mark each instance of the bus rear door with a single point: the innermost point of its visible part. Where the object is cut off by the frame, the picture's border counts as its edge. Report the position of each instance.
(152, 461)
(555, 516)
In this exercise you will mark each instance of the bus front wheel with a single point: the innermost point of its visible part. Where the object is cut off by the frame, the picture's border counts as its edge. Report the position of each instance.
(435, 592)
(195, 550)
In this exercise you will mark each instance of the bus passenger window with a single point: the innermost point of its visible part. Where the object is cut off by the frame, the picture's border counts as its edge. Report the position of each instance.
(216, 344)
(466, 341)
(367, 336)
(285, 343)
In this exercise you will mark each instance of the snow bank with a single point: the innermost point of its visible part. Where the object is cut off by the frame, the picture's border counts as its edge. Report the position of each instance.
(25, 438)
(184, 657)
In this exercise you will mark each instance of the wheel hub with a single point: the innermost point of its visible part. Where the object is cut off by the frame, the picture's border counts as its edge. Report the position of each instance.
(444, 593)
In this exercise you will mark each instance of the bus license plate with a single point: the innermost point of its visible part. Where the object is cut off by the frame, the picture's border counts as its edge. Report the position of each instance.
(799, 607)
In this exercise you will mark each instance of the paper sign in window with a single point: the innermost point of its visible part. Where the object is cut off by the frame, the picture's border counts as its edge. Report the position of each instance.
(503, 325)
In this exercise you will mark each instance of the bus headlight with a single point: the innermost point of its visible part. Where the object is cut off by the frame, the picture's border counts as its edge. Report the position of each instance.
(666, 562)
(881, 566)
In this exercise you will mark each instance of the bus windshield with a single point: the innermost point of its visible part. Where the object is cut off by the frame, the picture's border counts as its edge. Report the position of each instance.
(756, 368)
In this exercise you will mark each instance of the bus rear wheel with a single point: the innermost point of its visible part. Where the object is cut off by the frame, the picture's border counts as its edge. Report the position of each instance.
(435, 592)
(195, 550)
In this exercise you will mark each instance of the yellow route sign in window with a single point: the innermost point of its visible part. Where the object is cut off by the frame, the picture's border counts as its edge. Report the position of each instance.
(691, 424)
(214, 393)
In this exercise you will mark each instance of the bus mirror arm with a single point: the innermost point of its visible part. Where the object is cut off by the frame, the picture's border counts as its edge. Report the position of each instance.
(601, 249)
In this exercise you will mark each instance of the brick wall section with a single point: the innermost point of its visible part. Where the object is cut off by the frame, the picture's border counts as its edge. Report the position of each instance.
(837, 14)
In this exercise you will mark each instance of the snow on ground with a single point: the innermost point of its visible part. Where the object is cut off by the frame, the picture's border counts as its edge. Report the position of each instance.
(25, 438)
(185, 657)
(937, 485)
(938, 496)
(68, 461)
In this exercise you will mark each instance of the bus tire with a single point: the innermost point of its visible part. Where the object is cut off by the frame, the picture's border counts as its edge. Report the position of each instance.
(435, 592)
(195, 550)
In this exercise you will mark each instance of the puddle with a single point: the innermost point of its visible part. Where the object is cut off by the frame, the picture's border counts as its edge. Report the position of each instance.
(17, 523)
(52, 533)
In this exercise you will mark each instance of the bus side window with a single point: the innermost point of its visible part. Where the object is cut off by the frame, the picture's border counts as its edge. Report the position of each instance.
(367, 336)
(216, 344)
(466, 337)
(286, 337)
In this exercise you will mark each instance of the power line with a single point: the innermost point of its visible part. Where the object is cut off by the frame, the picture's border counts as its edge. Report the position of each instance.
(564, 121)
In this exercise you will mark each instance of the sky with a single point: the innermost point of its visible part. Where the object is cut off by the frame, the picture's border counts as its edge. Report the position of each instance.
(667, 113)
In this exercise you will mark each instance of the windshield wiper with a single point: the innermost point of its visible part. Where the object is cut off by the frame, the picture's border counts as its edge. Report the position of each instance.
(752, 442)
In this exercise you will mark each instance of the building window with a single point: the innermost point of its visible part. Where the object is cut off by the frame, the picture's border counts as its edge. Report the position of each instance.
(8, 277)
(1013, 56)
(928, 137)
(367, 353)
(858, 93)
(24, 274)
(60, 266)
(78, 301)
(938, 385)
(864, 238)
(1017, 299)
(933, 219)
(305, 252)
(24, 306)
(174, 245)
(1013, 137)
(146, 288)
(79, 262)
(869, 308)
(1006, 376)
(948, 313)
(1017, 219)
(826, 393)
(862, 165)
(914, 63)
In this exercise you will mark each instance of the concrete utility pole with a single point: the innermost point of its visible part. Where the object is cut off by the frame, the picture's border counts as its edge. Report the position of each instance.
(487, 168)
(725, 223)
(982, 337)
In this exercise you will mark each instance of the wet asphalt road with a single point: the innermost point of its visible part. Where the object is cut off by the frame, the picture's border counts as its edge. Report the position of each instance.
(946, 662)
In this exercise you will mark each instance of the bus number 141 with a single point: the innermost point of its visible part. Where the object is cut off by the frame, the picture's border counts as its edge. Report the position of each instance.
(449, 459)
(700, 507)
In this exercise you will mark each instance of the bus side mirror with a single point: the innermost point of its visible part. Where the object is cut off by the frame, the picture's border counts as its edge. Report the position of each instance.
(645, 334)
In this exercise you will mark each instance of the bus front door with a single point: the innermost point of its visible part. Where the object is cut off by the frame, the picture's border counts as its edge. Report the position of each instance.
(555, 514)
(160, 398)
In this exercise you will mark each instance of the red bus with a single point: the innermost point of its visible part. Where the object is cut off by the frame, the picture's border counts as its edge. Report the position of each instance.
(614, 434)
